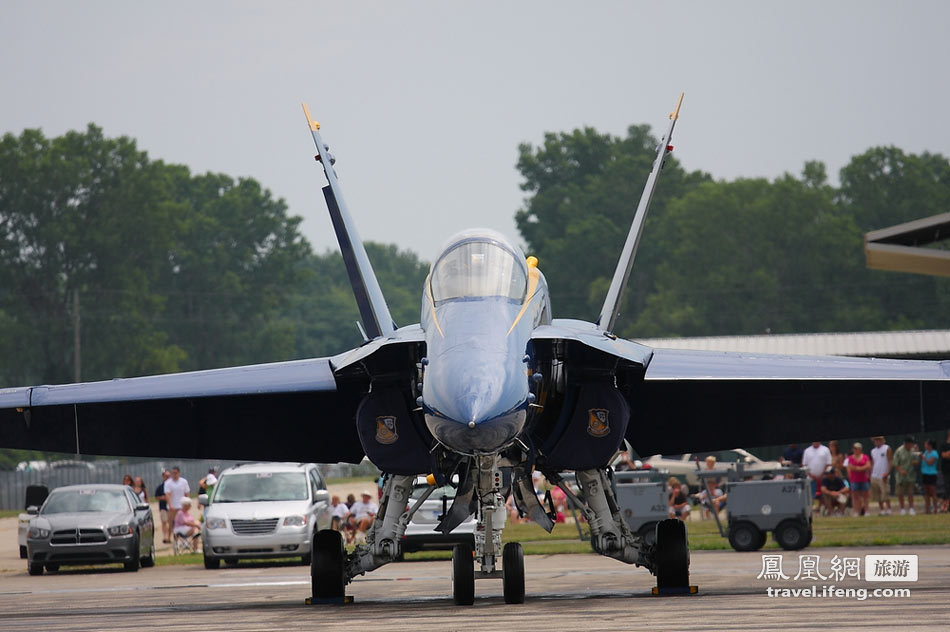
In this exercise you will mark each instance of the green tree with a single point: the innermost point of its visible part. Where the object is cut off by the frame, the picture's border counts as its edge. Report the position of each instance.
(325, 310)
(80, 213)
(584, 187)
(754, 256)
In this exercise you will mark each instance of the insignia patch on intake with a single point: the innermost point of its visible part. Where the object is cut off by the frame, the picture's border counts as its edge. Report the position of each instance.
(386, 430)
(597, 424)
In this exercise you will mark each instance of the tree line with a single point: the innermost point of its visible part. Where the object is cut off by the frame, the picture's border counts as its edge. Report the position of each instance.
(747, 256)
(159, 269)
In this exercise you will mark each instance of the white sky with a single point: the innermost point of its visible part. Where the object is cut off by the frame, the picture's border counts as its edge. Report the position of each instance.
(424, 103)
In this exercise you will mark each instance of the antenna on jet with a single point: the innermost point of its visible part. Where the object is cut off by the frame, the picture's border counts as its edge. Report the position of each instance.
(611, 308)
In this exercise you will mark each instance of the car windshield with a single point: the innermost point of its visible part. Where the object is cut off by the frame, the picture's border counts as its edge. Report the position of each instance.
(86, 500)
(478, 268)
(446, 490)
(261, 486)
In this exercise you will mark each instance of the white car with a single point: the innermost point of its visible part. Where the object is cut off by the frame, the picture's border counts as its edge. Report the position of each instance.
(420, 532)
(685, 466)
(264, 510)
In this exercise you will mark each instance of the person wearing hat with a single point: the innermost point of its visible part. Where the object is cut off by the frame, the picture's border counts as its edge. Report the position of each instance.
(906, 462)
(362, 514)
(186, 525)
(859, 475)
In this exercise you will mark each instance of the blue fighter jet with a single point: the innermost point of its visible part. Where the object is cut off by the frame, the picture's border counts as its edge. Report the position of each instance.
(485, 390)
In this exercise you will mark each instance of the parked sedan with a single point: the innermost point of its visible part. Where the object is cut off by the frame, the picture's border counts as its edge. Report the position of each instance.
(420, 532)
(90, 524)
(685, 466)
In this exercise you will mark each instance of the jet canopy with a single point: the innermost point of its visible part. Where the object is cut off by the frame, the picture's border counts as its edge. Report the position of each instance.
(479, 264)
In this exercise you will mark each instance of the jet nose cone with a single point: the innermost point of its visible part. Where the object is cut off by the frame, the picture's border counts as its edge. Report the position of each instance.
(472, 406)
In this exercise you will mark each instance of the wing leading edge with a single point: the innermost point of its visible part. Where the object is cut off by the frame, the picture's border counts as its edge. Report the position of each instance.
(703, 400)
(281, 411)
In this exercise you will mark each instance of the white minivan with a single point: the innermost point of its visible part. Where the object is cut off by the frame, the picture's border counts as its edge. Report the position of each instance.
(264, 510)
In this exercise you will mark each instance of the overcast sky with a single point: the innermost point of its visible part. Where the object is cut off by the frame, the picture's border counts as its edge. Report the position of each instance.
(425, 103)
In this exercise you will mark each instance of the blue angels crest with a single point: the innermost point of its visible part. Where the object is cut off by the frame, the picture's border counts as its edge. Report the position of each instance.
(597, 422)
(386, 430)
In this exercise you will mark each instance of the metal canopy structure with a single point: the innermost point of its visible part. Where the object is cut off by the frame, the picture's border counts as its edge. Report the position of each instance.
(903, 248)
(933, 344)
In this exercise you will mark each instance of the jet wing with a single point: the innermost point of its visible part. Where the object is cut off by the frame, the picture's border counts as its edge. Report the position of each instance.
(703, 400)
(284, 411)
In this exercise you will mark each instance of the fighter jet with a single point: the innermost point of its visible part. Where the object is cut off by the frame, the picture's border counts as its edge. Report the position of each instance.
(486, 389)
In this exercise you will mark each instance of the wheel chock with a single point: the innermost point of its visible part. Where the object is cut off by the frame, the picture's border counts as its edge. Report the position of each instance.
(675, 590)
(329, 601)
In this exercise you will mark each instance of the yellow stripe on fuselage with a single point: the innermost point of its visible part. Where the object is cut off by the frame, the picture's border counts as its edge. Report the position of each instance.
(534, 277)
(435, 319)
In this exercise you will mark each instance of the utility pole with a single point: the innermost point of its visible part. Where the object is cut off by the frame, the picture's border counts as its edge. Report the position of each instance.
(77, 351)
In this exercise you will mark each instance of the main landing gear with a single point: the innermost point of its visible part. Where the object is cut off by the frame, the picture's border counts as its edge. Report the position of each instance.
(667, 557)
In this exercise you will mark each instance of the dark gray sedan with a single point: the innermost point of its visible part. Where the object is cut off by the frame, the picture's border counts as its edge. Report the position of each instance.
(90, 524)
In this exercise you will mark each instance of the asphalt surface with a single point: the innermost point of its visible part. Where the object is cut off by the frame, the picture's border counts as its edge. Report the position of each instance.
(574, 592)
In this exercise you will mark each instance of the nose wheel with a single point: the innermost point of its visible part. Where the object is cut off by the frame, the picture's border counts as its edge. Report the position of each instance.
(463, 575)
(513, 569)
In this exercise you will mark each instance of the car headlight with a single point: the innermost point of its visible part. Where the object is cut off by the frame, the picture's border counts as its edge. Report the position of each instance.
(38, 533)
(120, 529)
(295, 521)
(216, 523)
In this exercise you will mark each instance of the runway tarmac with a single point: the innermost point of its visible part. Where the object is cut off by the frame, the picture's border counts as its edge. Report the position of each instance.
(573, 592)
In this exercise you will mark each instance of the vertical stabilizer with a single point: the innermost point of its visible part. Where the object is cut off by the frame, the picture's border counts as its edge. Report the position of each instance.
(611, 308)
(374, 312)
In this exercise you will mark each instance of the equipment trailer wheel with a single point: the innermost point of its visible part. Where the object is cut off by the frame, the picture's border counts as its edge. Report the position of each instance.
(792, 535)
(671, 554)
(326, 569)
(512, 559)
(745, 536)
(463, 575)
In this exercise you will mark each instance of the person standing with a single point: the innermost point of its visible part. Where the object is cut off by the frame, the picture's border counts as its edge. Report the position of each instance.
(176, 488)
(881, 462)
(163, 508)
(905, 478)
(945, 468)
(816, 459)
(928, 475)
(859, 467)
(837, 456)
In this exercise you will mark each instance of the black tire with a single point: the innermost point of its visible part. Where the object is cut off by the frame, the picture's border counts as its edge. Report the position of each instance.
(149, 560)
(306, 560)
(133, 565)
(745, 536)
(34, 569)
(512, 559)
(671, 554)
(23, 553)
(212, 563)
(648, 533)
(52, 568)
(463, 575)
(762, 540)
(327, 567)
(791, 535)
